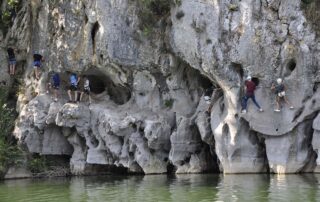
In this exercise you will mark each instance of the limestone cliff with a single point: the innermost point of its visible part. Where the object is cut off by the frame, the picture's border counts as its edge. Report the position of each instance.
(148, 112)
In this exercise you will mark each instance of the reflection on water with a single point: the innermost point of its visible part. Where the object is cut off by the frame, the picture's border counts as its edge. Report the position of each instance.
(165, 188)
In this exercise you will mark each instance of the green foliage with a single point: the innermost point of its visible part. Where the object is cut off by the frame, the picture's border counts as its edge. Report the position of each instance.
(13, 3)
(5, 20)
(177, 2)
(147, 31)
(168, 103)
(312, 13)
(233, 7)
(307, 1)
(150, 11)
(38, 164)
(9, 151)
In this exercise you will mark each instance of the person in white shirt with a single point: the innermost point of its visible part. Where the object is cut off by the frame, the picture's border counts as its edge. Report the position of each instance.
(85, 88)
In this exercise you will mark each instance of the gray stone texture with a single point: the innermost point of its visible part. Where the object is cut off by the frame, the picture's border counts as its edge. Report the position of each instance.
(148, 113)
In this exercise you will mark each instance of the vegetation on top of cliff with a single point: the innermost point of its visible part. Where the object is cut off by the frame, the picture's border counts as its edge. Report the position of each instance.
(9, 151)
(312, 13)
(8, 15)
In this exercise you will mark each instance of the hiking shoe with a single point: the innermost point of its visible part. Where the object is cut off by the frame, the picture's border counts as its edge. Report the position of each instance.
(277, 110)
(244, 111)
(260, 110)
(55, 99)
(291, 107)
(47, 92)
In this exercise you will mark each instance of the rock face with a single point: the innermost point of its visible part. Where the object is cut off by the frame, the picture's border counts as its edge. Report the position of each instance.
(148, 112)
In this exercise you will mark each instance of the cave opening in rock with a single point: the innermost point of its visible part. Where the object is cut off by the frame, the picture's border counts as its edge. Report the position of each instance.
(100, 83)
(58, 165)
(97, 85)
(94, 31)
(291, 65)
(205, 83)
(171, 169)
(238, 69)
(255, 80)
(100, 169)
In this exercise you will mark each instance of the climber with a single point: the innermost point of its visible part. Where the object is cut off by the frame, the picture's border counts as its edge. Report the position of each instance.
(85, 88)
(12, 61)
(74, 80)
(207, 94)
(207, 97)
(55, 84)
(250, 87)
(37, 59)
(280, 91)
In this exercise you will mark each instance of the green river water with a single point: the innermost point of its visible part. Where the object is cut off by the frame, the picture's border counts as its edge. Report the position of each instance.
(206, 187)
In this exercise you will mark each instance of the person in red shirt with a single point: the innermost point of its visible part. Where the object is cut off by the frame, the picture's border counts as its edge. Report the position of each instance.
(250, 87)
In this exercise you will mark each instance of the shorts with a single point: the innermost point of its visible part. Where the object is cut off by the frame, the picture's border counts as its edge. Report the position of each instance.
(37, 64)
(55, 86)
(12, 61)
(86, 91)
(281, 94)
(73, 88)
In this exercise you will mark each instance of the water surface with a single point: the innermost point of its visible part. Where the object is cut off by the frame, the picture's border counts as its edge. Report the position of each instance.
(164, 188)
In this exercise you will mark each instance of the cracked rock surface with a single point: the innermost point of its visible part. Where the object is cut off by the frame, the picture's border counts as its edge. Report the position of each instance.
(148, 113)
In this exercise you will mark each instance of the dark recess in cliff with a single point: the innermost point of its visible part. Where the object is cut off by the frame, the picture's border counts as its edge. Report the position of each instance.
(94, 31)
(99, 83)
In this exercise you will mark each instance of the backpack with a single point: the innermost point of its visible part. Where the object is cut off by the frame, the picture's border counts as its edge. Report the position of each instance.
(56, 79)
(279, 88)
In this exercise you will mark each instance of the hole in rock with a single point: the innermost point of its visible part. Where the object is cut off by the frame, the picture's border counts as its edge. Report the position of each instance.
(187, 159)
(97, 85)
(86, 19)
(290, 67)
(93, 139)
(225, 129)
(98, 169)
(57, 164)
(171, 169)
(94, 31)
(99, 82)
(207, 85)
(256, 80)
(238, 69)
(315, 87)
(58, 160)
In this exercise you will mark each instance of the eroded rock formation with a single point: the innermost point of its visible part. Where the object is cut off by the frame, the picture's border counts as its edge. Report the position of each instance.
(148, 113)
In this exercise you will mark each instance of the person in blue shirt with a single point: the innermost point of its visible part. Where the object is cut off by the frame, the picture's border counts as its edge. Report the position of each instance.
(73, 80)
(37, 59)
(54, 84)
